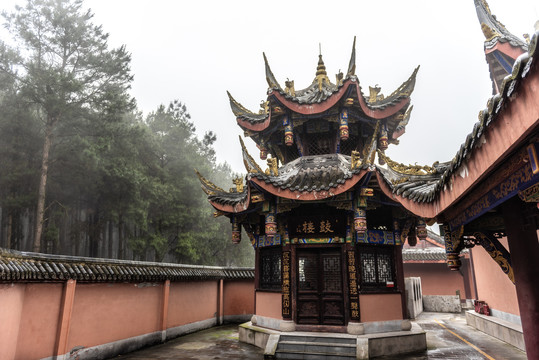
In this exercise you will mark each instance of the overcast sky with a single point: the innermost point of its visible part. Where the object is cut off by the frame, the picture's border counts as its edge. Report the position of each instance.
(195, 51)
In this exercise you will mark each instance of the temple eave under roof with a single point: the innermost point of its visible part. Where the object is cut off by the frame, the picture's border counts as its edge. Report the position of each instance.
(310, 194)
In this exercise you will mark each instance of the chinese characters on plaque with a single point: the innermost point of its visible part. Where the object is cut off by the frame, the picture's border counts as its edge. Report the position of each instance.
(352, 285)
(317, 226)
(286, 284)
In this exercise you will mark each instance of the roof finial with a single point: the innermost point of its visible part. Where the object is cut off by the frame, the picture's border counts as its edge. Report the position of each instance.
(321, 74)
(320, 49)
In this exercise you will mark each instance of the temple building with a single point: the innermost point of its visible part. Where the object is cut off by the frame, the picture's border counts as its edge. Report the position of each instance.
(329, 215)
(322, 217)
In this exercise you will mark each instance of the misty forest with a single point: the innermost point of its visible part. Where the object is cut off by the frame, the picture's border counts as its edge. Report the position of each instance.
(82, 171)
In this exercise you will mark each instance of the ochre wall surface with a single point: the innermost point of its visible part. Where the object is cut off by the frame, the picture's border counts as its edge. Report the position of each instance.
(11, 304)
(437, 279)
(493, 285)
(39, 319)
(192, 301)
(32, 314)
(104, 313)
(239, 298)
(269, 304)
(380, 307)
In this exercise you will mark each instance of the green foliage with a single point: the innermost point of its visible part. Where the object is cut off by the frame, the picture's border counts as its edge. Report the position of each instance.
(118, 183)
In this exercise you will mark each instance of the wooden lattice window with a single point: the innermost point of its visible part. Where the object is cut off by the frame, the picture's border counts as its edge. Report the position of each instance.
(270, 268)
(377, 267)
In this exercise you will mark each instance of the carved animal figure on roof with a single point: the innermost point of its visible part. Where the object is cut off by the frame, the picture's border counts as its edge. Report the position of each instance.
(289, 87)
(355, 159)
(272, 167)
(338, 78)
(239, 184)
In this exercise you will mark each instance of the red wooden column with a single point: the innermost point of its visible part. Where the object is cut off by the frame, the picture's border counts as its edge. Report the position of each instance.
(164, 309)
(68, 298)
(524, 249)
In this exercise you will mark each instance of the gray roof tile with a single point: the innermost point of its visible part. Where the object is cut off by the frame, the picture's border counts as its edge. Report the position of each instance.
(25, 266)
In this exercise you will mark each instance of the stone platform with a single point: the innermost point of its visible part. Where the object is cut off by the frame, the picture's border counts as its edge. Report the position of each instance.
(501, 329)
(315, 345)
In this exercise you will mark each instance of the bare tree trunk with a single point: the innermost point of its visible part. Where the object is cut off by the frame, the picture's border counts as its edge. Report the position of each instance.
(121, 245)
(9, 231)
(110, 238)
(43, 184)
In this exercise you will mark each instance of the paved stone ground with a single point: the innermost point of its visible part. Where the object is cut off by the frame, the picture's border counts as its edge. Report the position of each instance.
(216, 343)
(448, 337)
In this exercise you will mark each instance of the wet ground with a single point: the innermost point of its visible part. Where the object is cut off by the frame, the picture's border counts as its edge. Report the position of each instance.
(448, 337)
(220, 342)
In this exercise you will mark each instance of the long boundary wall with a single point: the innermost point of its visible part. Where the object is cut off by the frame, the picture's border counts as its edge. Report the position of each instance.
(56, 307)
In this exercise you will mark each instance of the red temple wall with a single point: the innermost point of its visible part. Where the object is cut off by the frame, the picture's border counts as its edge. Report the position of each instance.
(493, 285)
(269, 304)
(380, 307)
(42, 320)
(109, 312)
(192, 301)
(437, 279)
(239, 298)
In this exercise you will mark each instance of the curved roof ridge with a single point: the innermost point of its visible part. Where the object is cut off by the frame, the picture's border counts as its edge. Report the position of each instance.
(493, 29)
(352, 63)
(270, 78)
(404, 90)
(242, 112)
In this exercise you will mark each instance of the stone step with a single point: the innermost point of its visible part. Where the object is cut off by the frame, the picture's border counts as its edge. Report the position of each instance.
(312, 355)
(327, 339)
(319, 347)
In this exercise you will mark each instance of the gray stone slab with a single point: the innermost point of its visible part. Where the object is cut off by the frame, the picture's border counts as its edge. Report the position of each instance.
(442, 303)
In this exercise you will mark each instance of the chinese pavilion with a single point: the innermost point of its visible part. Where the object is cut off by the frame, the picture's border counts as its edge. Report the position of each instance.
(322, 218)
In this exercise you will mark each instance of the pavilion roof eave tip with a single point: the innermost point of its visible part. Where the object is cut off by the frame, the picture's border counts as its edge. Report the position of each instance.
(352, 63)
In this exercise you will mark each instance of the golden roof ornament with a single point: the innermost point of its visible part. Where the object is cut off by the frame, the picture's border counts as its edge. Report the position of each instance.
(289, 87)
(489, 32)
(374, 91)
(321, 74)
(339, 78)
(355, 160)
(239, 184)
(273, 168)
(408, 169)
(207, 186)
(264, 107)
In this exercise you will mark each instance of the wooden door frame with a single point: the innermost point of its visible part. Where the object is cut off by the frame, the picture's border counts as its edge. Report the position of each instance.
(341, 247)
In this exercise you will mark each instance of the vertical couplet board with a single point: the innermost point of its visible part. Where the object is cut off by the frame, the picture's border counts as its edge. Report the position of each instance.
(352, 285)
(286, 285)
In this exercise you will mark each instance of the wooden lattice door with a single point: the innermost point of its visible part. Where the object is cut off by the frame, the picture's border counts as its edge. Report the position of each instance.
(320, 299)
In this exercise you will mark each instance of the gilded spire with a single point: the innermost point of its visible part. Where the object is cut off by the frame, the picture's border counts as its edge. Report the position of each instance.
(321, 74)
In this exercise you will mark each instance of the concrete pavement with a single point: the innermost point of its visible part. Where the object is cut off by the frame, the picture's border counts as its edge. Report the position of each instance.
(448, 337)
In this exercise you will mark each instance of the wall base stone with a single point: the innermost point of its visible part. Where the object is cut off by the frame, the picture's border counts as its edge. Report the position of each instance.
(442, 303)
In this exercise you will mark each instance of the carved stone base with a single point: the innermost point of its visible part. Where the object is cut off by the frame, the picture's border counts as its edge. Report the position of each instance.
(406, 325)
(287, 326)
(355, 328)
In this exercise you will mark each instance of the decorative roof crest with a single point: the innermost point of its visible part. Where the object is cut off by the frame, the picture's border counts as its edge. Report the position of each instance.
(207, 186)
(270, 78)
(250, 164)
(408, 169)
